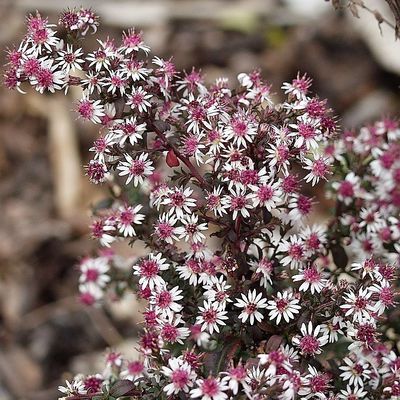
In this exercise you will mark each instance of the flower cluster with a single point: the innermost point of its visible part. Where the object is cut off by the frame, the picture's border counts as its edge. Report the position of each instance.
(367, 188)
(244, 298)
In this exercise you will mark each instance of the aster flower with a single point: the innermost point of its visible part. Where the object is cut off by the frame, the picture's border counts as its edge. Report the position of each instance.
(251, 303)
(139, 99)
(90, 110)
(70, 59)
(180, 374)
(127, 217)
(310, 342)
(179, 201)
(191, 229)
(209, 389)
(211, 316)
(94, 270)
(238, 202)
(137, 168)
(133, 370)
(167, 300)
(284, 305)
(355, 372)
(312, 278)
(148, 270)
(357, 305)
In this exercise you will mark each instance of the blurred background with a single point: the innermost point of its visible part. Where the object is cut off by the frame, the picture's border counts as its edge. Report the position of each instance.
(45, 334)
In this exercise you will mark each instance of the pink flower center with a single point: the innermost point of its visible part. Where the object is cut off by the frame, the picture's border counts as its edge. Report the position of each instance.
(237, 203)
(209, 316)
(319, 168)
(309, 345)
(346, 189)
(366, 333)
(170, 333)
(296, 251)
(210, 387)
(149, 268)
(306, 130)
(281, 304)
(44, 77)
(137, 168)
(265, 193)
(239, 127)
(312, 275)
(92, 275)
(126, 217)
(85, 109)
(177, 199)
(180, 378)
(135, 367)
(164, 299)
(251, 308)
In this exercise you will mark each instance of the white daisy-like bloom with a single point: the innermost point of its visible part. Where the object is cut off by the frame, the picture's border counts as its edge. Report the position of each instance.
(284, 305)
(94, 270)
(180, 374)
(190, 271)
(211, 316)
(91, 110)
(48, 78)
(306, 133)
(264, 267)
(255, 376)
(75, 387)
(165, 228)
(133, 370)
(148, 271)
(209, 389)
(310, 341)
(127, 217)
(386, 296)
(139, 99)
(241, 130)
(128, 129)
(179, 201)
(355, 372)
(100, 58)
(367, 268)
(70, 60)
(315, 385)
(201, 338)
(90, 292)
(293, 250)
(217, 290)
(192, 147)
(251, 303)
(266, 195)
(137, 169)
(91, 82)
(358, 305)
(166, 300)
(333, 328)
(132, 41)
(170, 329)
(319, 168)
(191, 229)
(312, 278)
(351, 393)
(274, 360)
(348, 189)
(238, 201)
(234, 377)
(214, 202)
